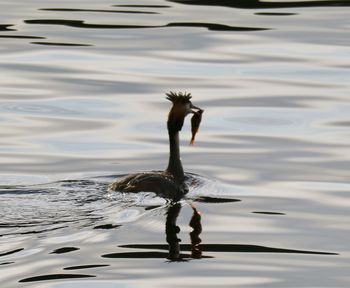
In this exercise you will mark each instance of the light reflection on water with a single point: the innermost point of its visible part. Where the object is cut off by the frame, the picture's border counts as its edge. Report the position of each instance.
(271, 160)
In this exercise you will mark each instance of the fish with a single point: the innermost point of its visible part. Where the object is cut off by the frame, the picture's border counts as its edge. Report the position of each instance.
(195, 122)
(195, 224)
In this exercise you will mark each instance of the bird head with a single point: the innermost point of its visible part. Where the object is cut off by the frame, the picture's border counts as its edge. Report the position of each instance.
(182, 106)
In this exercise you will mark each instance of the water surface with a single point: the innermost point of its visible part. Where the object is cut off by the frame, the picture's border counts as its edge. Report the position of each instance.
(82, 103)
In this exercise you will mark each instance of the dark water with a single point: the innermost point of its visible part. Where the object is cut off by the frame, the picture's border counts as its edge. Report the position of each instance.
(82, 102)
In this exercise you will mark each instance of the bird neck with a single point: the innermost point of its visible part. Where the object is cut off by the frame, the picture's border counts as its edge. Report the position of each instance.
(175, 165)
(171, 231)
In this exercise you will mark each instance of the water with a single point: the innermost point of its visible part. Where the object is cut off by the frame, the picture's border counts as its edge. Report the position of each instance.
(82, 102)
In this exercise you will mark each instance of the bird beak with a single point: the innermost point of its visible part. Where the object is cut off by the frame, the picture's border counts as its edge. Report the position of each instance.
(195, 107)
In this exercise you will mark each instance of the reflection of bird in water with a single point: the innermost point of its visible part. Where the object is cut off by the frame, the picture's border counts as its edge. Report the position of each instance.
(195, 223)
(169, 183)
(171, 230)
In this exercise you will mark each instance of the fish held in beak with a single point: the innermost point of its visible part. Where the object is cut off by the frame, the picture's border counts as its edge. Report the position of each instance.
(195, 122)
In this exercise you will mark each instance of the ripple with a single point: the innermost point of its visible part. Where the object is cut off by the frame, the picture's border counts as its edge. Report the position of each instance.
(143, 255)
(215, 27)
(268, 213)
(74, 205)
(340, 123)
(276, 14)
(64, 250)
(207, 199)
(54, 277)
(233, 248)
(21, 37)
(107, 226)
(257, 4)
(97, 10)
(11, 252)
(86, 266)
(267, 101)
(142, 6)
(6, 263)
(33, 231)
(82, 24)
(85, 202)
(35, 109)
(61, 44)
(262, 121)
(6, 27)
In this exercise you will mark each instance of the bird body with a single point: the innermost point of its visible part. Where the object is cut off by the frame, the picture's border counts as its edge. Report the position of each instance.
(159, 182)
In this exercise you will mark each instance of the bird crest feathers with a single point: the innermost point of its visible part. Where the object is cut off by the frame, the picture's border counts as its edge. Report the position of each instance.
(178, 97)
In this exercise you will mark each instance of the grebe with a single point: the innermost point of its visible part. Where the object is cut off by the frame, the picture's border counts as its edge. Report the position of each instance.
(171, 182)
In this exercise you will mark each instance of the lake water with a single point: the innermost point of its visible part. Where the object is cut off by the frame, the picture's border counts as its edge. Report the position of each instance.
(82, 102)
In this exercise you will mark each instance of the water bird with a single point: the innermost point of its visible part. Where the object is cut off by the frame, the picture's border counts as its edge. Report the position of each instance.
(169, 183)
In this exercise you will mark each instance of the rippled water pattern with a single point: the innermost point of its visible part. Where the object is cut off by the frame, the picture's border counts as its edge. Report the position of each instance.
(82, 102)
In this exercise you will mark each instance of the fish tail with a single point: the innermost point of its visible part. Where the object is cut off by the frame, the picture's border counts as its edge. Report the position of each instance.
(192, 140)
